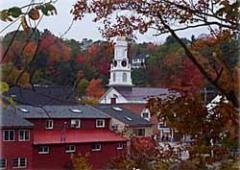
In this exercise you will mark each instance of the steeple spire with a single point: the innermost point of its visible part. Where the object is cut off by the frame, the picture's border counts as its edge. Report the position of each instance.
(120, 73)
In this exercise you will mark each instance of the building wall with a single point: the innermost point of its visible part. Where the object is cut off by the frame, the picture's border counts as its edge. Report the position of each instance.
(129, 131)
(61, 123)
(121, 125)
(10, 150)
(148, 131)
(60, 160)
(112, 93)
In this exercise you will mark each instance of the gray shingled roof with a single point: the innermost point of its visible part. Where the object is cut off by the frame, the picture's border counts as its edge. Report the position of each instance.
(9, 118)
(142, 93)
(43, 95)
(60, 111)
(123, 115)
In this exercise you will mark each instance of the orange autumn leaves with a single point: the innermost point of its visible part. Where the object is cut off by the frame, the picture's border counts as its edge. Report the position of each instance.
(95, 89)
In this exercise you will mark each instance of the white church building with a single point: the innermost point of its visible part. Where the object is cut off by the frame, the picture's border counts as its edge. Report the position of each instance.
(123, 92)
(121, 88)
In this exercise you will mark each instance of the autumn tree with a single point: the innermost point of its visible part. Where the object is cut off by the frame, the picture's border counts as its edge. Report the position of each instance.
(213, 128)
(164, 16)
(82, 87)
(95, 89)
(81, 162)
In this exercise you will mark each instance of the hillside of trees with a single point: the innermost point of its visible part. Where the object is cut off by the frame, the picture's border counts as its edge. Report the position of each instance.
(84, 64)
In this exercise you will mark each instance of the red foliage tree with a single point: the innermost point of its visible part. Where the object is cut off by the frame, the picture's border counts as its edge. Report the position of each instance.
(95, 88)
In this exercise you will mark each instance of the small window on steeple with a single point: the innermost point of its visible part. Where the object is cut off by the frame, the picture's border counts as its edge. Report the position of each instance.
(124, 63)
(124, 77)
(114, 77)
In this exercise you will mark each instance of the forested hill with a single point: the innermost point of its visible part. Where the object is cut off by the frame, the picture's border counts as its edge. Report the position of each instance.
(85, 65)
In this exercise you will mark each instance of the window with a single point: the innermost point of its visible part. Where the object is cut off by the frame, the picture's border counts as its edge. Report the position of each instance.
(161, 125)
(114, 77)
(146, 115)
(23, 135)
(96, 147)
(8, 135)
(113, 100)
(75, 123)
(120, 146)
(43, 150)
(100, 123)
(3, 163)
(124, 63)
(20, 162)
(115, 127)
(124, 77)
(139, 132)
(49, 124)
(70, 148)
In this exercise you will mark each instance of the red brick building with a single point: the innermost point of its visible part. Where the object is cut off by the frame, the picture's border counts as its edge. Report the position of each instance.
(54, 133)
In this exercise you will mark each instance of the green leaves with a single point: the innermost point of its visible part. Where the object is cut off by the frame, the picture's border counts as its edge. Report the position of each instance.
(15, 12)
(48, 9)
(8, 14)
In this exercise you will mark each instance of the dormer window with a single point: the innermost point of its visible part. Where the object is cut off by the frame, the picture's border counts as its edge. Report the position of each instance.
(49, 124)
(75, 123)
(100, 123)
(146, 115)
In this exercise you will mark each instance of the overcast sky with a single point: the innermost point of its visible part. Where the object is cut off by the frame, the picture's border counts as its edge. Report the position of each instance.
(81, 29)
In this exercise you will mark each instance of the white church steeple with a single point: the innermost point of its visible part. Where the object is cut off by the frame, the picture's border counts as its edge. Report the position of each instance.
(120, 73)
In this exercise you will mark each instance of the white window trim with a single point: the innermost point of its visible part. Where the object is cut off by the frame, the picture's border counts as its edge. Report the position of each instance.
(98, 149)
(71, 151)
(120, 146)
(15, 167)
(73, 120)
(102, 126)
(5, 164)
(49, 120)
(4, 135)
(44, 152)
(24, 135)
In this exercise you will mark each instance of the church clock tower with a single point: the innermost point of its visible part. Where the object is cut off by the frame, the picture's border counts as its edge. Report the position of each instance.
(120, 73)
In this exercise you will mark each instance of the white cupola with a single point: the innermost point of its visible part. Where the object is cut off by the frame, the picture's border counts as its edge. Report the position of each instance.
(120, 73)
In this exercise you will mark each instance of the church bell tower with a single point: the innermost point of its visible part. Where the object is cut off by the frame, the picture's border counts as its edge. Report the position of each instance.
(120, 73)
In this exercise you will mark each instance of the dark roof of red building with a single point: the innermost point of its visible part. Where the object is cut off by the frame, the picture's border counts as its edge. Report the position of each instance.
(75, 136)
(9, 118)
(60, 111)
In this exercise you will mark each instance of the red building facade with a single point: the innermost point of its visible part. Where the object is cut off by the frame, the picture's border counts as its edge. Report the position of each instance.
(54, 134)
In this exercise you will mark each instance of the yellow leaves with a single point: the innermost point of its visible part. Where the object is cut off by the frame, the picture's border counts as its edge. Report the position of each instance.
(11, 74)
(81, 162)
(24, 80)
(4, 87)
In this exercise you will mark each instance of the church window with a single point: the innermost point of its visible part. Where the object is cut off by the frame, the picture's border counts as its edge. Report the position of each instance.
(124, 63)
(115, 63)
(124, 77)
(114, 77)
